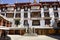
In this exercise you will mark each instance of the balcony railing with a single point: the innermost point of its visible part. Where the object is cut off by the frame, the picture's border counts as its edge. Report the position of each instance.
(46, 10)
(47, 17)
(37, 10)
(35, 16)
(9, 11)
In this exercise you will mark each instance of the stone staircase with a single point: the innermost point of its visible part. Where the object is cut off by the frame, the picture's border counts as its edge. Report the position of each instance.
(30, 32)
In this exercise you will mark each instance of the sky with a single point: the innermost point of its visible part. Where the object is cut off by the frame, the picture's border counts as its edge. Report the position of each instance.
(14, 1)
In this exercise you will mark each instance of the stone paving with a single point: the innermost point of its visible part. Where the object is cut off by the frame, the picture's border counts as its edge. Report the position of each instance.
(39, 37)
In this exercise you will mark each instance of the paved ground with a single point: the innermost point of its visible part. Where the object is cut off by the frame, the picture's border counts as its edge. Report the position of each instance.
(40, 37)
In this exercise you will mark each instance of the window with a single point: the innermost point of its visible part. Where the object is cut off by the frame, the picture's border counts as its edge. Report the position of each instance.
(45, 8)
(3, 14)
(25, 15)
(3, 9)
(58, 24)
(46, 14)
(0, 10)
(10, 8)
(17, 8)
(47, 21)
(18, 15)
(10, 15)
(36, 22)
(17, 22)
(35, 7)
(35, 14)
(4, 24)
(56, 14)
(25, 8)
(25, 22)
(55, 7)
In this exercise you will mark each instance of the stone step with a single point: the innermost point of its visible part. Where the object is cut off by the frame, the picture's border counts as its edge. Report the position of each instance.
(30, 34)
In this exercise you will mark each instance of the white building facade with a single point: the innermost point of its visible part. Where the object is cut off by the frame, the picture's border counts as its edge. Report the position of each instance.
(40, 16)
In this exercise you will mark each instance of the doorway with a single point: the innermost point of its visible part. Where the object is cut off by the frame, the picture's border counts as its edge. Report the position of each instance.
(58, 24)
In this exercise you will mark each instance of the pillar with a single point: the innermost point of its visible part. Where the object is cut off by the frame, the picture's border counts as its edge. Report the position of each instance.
(2, 22)
(14, 13)
(51, 15)
(6, 23)
(29, 20)
(5, 14)
(13, 23)
(59, 12)
(0, 32)
(22, 17)
(52, 22)
(42, 12)
(42, 21)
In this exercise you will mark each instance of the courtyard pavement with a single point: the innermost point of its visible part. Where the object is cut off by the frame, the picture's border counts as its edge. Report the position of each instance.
(39, 37)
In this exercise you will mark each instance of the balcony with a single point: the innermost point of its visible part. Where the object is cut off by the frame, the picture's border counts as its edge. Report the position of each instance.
(37, 10)
(35, 15)
(25, 15)
(46, 10)
(47, 17)
(2, 11)
(56, 17)
(17, 18)
(3, 14)
(35, 22)
(18, 11)
(9, 11)
(9, 15)
(18, 15)
(55, 8)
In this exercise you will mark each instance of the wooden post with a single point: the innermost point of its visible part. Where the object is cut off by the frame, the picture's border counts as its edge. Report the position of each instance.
(9, 24)
(6, 23)
(2, 22)
(0, 33)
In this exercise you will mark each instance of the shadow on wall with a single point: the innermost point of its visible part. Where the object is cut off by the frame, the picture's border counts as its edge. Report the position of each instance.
(57, 35)
(54, 24)
(5, 38)
(54, 36)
